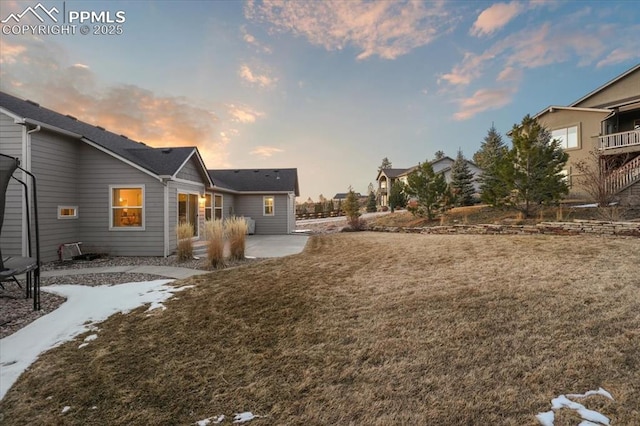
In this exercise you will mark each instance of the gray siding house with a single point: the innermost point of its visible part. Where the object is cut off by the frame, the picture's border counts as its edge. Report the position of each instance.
(113, 194)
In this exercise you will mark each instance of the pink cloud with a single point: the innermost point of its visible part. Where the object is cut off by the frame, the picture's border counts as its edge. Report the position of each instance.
(495, 17)
(265, 151)
(262, 80)
(380, 28)
(483, 100)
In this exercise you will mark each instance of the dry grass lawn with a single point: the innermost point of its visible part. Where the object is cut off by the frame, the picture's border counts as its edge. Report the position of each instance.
(366, 329)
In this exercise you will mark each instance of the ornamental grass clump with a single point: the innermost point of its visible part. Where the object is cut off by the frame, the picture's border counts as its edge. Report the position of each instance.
(215, 242)
(236, 229)
(185, 245)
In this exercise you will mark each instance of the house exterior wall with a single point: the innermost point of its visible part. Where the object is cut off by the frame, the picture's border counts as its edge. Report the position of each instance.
(97, 172)
(252, 206)
(621, 89)
(54, 160)
(11, 144)
(630, 195)
(589, 126)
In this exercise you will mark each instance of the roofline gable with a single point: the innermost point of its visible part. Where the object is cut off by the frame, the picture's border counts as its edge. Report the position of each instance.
(606, 85)
(552, 108)
(195, 152)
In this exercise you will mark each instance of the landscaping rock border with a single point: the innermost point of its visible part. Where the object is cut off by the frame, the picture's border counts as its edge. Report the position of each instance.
(577, 227)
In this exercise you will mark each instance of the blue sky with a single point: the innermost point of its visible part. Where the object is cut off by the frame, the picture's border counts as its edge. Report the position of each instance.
(328, 87)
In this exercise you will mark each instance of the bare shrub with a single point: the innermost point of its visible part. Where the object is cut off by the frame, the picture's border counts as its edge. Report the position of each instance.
(611, 213)
(214, 230)
(185, 245)
(236, 230)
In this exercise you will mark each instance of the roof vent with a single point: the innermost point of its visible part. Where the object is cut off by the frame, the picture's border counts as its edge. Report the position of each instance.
(72, 117)
(101, 128)
(256, 171)
(236, 171)
(124, 136)
(33, 103)
(166, 150)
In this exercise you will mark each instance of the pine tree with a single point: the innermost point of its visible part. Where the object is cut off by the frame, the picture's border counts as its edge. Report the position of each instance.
(371, 203)
(490, 158)
(397, 196)
(428, 188)
(386, 164)
(439, 155)
(532, 169)
(462, 181)
(351, 208)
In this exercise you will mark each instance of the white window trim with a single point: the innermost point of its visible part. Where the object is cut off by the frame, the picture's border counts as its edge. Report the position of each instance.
(578, 135)
(215, 208)
(68, 217)
(111, 207)
(264, 205)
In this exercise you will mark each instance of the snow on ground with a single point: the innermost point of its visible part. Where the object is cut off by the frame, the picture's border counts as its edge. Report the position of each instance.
(84, 305)
(590, 417)
(243, 417)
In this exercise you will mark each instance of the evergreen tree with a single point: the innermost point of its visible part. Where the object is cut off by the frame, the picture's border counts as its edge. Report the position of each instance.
(490, 149)
(462, 181)
(371, 203)
(352, 211)
(532, 169)
(490, 158)
(439, 155)
(428, 188)
(397, 196)
(386, 164)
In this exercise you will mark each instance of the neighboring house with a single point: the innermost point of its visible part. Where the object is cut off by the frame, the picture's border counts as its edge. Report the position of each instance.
(268, 196)
(109, 192)
(387, 177)
(341, 196)
(606, 120)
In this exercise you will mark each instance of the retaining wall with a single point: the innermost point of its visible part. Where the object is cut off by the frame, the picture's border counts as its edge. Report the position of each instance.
(577, 227)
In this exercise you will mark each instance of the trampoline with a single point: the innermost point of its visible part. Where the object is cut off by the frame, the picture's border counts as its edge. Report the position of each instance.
(15, 268)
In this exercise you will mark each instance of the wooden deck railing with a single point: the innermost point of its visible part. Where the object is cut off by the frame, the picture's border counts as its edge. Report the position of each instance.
(625, 175)
(620, 140)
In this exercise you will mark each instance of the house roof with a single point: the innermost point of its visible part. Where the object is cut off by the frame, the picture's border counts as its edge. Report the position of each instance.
(343, 195)
(158, 161)
(256, 180)
(606, 85)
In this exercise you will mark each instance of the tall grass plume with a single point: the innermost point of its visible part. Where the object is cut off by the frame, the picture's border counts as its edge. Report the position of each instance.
(236, 229)
(185, 245)
(215, 242)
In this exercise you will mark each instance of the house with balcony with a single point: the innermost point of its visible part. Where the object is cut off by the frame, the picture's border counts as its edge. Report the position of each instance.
(387, 177)
(605, 121)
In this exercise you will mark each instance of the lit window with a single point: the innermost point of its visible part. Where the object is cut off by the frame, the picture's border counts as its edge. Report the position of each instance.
(568, 137)
(269, 205)
(127, 207)
(67, 212)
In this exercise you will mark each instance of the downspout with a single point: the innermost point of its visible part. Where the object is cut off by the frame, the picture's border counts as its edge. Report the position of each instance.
(26, 161)
(166, 218)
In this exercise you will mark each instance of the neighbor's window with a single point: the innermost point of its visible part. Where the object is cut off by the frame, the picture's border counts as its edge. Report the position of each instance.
(269, 204)
(217, 206)
(127, 207)
(67, 212)
(568, 137)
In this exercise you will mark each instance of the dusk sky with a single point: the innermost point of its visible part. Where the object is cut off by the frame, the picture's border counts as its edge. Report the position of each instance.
(328, 87)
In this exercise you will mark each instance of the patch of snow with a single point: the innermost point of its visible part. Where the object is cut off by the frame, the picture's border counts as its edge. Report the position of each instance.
(246, 416)
(82, 345)
(84, 305)
(91, 337)
(65, 409)
(547, 418)
(589, 417)
(215, 420)
(94, 407)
